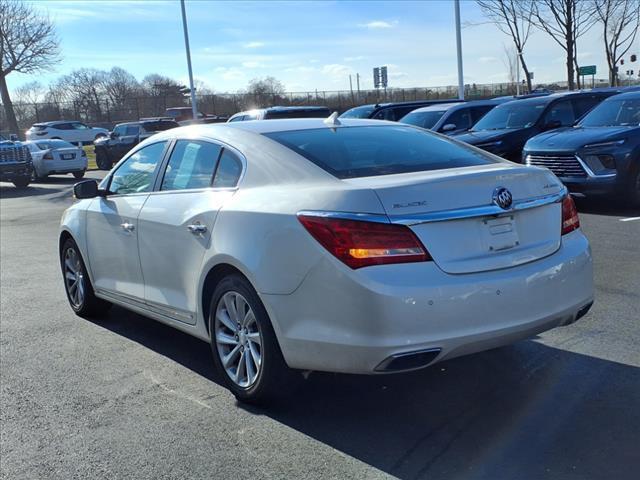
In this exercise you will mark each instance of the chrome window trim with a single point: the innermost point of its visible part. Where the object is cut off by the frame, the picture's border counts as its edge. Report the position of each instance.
(479, 211)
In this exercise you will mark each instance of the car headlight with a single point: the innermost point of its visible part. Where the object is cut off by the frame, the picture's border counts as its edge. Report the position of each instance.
(598, 163)
(606, 144)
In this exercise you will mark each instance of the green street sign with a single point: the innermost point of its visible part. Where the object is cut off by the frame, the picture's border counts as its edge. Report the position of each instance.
(588, 70)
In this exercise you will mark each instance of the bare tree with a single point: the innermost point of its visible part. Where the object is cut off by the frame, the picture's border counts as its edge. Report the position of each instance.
(565, 21)
(30, 92)
(86, 88)
(620, 21)
(120, 86)
(510, 61)
(28, 44)
(513, 18)
(265, 90)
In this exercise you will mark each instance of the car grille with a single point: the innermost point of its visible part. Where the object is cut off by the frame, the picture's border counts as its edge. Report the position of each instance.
(560, 165)
(14, 154)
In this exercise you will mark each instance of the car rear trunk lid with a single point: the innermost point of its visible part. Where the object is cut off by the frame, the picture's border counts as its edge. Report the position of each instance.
(453, 214)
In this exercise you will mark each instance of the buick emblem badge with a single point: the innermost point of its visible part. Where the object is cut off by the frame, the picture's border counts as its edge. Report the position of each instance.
(502, 198)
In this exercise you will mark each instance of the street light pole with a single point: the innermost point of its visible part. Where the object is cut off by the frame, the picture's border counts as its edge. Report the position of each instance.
(194, 108)
(459, 48)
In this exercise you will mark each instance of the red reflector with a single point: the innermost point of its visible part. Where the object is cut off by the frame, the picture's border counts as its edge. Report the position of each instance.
(360, 244)
(570, 220)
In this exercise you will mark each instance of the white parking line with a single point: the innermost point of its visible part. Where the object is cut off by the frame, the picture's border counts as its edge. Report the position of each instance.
(630, 219)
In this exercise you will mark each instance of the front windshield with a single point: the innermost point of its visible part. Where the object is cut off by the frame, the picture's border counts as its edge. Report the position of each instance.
(614, 113)
(359, 112)
(423, 119)
(511, 115)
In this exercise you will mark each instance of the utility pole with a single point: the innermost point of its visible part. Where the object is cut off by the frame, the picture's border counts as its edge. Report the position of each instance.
(194, 108)
(351, 89)
(358, 84)
(459, 49)
(518, 74)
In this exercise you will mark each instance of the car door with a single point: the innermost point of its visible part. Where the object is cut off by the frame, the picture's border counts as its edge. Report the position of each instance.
(461, 118)
(81, 133)
(127, 139)
(112, 225)
(176, 223)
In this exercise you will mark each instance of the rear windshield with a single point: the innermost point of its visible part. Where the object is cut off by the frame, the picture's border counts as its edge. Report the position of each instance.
(359, 112)
(351, 152)
(315, 113)
(53, 144)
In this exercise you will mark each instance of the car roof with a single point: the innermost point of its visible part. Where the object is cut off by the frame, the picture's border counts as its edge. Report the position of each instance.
(57, 122)
(625, 95)
(295, 108)
(448, 106)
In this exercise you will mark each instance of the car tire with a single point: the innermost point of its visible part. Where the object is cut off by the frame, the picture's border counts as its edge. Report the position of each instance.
(79, 174)
(633, 194)
(254, 339)
(102, 160)
(82, 298)
(22, 182)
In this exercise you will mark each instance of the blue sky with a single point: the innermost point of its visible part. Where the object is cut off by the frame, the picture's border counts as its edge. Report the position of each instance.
(307, 45)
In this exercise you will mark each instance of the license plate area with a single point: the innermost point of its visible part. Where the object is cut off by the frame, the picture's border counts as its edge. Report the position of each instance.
(68, 156)
(500, 233)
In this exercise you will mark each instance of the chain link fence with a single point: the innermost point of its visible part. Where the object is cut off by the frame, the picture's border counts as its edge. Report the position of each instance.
(106, 113)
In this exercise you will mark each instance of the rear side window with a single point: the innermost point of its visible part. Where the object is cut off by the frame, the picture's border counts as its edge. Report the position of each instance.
(351, 152)
(228, 171)
(585, 104)
(461, 119)
(191, 165)
(132, 130)
(478, 112)
(561, 112)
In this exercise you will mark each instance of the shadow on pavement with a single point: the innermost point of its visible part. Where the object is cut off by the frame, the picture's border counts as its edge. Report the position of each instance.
(606, 206)
(527, 411)
(46, 186)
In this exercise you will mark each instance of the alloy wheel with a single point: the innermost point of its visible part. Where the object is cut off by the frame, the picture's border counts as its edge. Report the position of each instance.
(238, 339)
(74, 277)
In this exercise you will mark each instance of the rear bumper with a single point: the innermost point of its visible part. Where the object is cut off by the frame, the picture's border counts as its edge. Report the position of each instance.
(11, 171)
(50, 167)
(354, 321)
(594, 185)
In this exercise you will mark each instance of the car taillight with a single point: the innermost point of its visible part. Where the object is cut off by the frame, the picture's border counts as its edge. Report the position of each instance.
(570, 220)
(48, 156)
(360, 243)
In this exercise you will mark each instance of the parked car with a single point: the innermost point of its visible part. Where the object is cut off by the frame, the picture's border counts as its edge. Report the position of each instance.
(184, 116)
(505, 129)
(600, 154)
(393, 111)
(125, 136)
(69, 131)
(273, 113)
(450, 118)
(56, 157)
(354, 246)
(15, 163)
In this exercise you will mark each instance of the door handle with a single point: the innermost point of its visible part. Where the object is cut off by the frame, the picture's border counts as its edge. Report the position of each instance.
(197, 228)
(128, 227)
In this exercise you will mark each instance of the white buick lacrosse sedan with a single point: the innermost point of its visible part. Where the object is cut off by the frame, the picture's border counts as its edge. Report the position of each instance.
(354, 246)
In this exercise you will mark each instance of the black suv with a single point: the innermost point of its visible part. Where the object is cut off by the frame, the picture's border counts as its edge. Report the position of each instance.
(391, 111)
(125, 136)
(505, 129)
(15, 163)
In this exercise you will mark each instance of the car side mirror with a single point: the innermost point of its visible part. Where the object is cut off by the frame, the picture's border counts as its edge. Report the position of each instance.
(449, 127)
(13, 137)
(86, 189)
(550, 125)
(113, 135)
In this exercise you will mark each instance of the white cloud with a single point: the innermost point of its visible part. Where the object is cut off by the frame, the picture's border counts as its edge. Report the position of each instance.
(253, 64)
(229, 73)
(336, 70)
(487, 59)
(254, 45)
(354, 59)
(374, 24)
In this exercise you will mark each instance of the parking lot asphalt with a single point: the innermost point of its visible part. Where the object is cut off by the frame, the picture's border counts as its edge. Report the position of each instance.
(126, 397)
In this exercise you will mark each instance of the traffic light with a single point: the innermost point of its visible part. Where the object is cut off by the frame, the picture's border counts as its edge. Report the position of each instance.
(633, 58)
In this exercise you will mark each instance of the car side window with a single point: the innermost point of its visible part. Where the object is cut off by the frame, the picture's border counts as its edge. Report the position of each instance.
(135, 174)
(62, 126)
(119, 130)
(228, 171)
(461, 119)
(79, 126)
(239, 118)
(132, 130)
(191, 165)
(584, 104)
(561, 112)
(478, 112)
